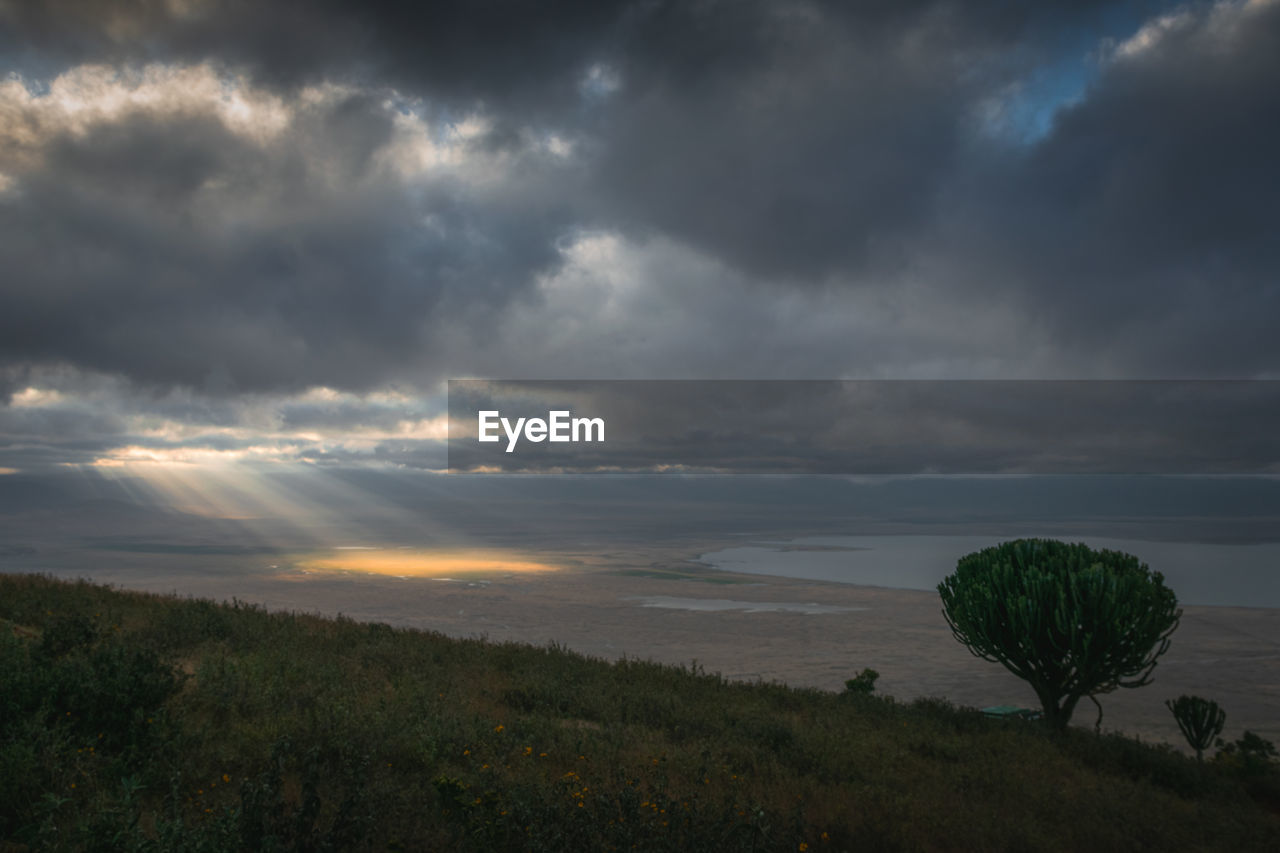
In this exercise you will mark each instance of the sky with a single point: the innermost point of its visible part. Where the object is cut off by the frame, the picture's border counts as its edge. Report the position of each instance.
(236, 235)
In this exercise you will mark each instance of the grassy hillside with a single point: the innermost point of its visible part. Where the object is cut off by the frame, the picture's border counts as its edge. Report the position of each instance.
(138, 722)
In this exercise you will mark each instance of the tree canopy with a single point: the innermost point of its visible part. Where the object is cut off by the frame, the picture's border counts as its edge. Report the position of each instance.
(1068, 620)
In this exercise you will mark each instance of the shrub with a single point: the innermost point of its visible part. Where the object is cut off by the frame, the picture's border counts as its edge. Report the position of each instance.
(1251, 754)
(864, 683)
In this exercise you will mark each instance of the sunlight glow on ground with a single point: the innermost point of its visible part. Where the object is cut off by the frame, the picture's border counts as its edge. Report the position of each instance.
(420, 563)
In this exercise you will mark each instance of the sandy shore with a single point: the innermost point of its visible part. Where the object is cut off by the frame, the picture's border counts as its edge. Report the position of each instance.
(1231, 655)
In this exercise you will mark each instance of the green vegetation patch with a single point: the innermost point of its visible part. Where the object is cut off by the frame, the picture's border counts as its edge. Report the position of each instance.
(140, 722)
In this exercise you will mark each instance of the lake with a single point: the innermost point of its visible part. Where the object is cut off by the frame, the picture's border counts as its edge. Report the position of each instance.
(1200, 573)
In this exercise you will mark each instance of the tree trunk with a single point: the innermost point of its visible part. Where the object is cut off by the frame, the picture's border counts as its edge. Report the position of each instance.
(1057, 713)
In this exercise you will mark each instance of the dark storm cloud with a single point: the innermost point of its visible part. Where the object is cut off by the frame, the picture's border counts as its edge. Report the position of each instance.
(484, 48)
(353, 414)
(1144, 226)
(162, 245)
(875, 427)
(800, 141)
(791, 139)
(460, 50)
(780, 145)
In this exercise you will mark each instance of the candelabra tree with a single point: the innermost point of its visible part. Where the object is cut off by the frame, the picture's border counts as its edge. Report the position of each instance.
(1068, 620)
(1200, 720)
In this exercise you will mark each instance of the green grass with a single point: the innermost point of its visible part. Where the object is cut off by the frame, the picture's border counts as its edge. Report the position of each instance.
(141, 722)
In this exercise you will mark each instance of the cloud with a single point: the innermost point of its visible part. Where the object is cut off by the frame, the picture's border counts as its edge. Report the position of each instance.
(1141, 228)
(66, 418)
(869, 427)
(181, 227)
(220, 207)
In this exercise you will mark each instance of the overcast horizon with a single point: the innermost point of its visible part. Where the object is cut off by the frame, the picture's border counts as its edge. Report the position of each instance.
(244, 245)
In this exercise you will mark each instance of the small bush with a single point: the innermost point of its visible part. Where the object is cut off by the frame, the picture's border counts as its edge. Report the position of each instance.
(864, 683)
(1251, 754)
